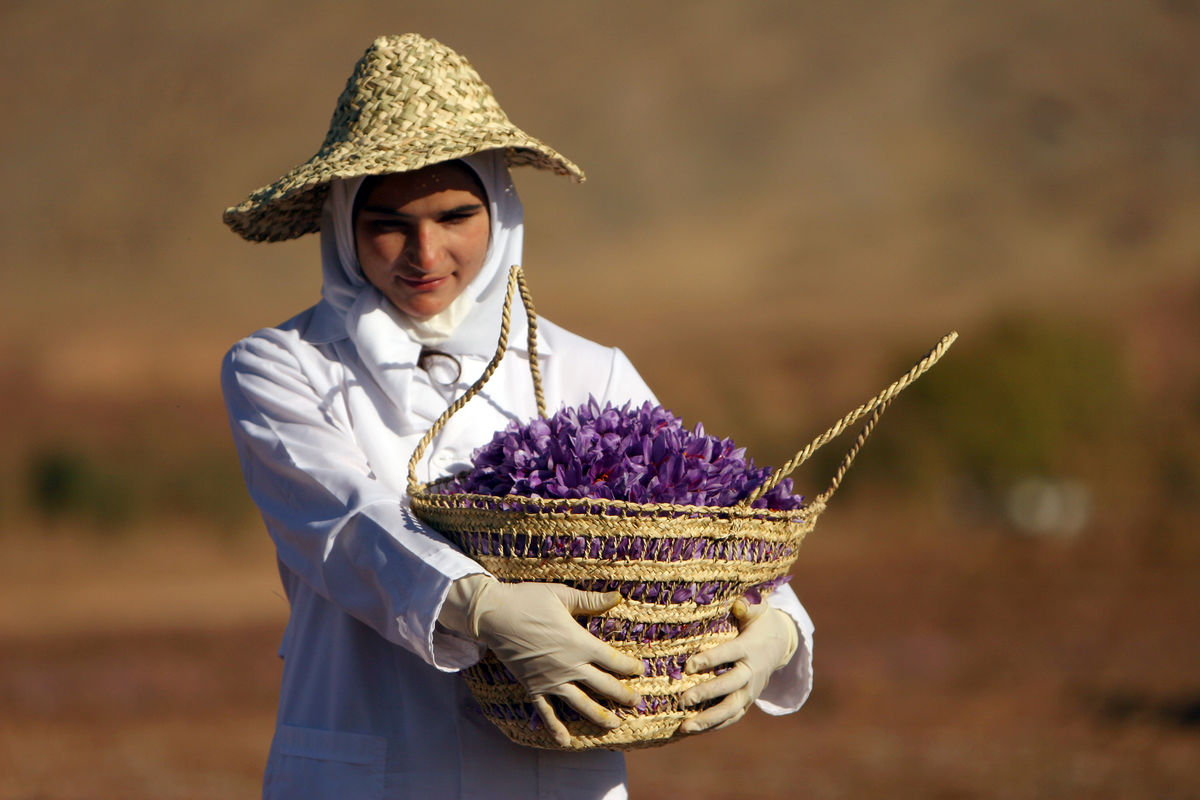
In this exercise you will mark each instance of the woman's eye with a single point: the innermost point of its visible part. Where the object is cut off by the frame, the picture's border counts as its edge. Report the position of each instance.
(460, 215)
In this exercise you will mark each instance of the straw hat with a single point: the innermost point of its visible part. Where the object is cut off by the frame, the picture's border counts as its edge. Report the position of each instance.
(409, 103)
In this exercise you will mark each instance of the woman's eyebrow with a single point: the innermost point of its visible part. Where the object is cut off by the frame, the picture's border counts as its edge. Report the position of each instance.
(391, 212)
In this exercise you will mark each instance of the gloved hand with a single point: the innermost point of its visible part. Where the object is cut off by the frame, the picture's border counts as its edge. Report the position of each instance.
(530, 628)
(766, 640)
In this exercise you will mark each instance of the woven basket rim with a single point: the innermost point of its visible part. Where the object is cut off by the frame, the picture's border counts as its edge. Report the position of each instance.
(564, 507)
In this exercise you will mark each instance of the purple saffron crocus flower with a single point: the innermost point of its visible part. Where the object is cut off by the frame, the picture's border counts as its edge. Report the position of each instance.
(640, 454)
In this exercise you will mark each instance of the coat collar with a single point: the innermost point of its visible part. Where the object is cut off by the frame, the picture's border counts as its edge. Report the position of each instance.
(326, 326)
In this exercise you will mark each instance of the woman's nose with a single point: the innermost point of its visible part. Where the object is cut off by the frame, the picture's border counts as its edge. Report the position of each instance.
(425, 247)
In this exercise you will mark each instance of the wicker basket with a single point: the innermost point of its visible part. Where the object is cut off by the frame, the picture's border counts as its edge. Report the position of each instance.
(597, 544)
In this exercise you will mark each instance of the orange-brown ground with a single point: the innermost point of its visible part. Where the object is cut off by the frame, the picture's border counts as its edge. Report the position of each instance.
(787, 202)
(948, 665)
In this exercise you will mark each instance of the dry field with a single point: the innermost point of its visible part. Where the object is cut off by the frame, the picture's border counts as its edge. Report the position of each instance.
(787, 203)
(948, 666)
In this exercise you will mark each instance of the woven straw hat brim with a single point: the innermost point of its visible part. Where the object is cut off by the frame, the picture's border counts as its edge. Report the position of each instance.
(291, 206)
(411, 102)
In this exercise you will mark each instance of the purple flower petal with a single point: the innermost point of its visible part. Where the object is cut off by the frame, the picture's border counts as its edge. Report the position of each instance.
(641, 454)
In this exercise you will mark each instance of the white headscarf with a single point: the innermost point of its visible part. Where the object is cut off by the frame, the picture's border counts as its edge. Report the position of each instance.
(388, 341)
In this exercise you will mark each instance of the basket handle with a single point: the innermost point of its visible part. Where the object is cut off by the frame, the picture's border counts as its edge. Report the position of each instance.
(875, 407)
(516, 279)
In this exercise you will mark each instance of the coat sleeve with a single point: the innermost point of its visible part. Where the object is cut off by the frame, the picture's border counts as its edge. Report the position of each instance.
(338, 529)
(790, 685)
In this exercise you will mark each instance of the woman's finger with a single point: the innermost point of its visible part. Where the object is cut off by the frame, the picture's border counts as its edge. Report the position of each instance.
(579, 602)
(725, 653)
(724, 684)
(745, 612)
(559, 731)
(744, 706)
(606, 685)
(610, 658)
(588, 708)
(726, 712)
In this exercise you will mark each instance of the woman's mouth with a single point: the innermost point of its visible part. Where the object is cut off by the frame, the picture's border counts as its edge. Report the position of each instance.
(423, 283)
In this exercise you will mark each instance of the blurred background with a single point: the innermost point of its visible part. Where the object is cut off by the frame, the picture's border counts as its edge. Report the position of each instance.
(787, 204)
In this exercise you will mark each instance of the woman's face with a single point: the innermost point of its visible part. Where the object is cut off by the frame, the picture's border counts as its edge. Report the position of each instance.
(422, 236)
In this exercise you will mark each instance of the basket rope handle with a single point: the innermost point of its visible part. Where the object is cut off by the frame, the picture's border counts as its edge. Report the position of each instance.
(875, 407)
(516, 280)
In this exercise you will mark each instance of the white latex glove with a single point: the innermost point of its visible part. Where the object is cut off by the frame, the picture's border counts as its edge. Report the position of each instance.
(766, 640)
(531, 629)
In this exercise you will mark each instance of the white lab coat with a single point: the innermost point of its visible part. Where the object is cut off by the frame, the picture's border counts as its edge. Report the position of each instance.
(371, 705)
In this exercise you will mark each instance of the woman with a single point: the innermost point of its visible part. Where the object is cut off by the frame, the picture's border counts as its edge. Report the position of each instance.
(419, 221)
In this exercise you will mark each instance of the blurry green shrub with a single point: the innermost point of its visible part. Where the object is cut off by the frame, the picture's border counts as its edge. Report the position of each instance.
(1029, 397)
(63, 482)
(200, 483)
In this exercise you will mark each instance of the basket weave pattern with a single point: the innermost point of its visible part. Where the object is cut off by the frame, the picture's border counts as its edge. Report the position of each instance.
(529, 546)
(680, 568)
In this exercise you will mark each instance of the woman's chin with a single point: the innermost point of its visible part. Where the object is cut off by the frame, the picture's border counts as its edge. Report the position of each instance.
(422, 309)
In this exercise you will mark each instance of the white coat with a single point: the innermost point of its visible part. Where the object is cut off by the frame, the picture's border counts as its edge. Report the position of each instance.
(371, 705)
